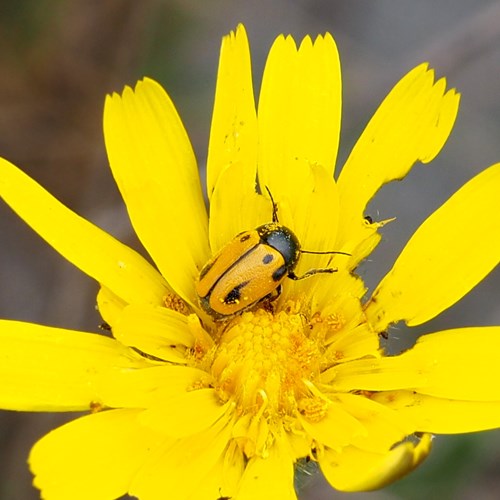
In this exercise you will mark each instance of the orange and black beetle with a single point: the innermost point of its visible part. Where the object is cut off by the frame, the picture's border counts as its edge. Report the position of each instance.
(250, 268)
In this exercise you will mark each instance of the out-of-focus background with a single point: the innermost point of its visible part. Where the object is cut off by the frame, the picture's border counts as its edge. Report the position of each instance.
(58, 59)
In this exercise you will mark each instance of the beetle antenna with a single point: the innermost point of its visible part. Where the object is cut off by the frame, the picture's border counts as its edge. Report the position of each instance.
(275, 207)
(325, 253)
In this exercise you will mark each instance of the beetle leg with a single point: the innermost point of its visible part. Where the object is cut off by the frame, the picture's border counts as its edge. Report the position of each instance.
(311, 272)
(274, 294)
(268, 300)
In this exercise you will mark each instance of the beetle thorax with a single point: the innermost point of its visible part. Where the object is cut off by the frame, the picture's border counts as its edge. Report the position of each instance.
(281, 239)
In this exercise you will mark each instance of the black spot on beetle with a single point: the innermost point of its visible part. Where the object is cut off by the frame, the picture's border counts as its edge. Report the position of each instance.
(267, 259)
(234, 296)
(245, 237)
(279, 273)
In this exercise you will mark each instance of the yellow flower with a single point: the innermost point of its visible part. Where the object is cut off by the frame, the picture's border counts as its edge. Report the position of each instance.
(183, 405)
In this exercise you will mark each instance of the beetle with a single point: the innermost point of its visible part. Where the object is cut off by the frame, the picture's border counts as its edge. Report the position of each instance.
(251, 268)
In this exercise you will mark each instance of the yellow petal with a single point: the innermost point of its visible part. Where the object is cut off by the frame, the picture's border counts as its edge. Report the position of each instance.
(299, 108)
(412, 124)
(157, 331)
(336, 306)
(457, 364)
(235, 205)
(339, 292)
(220, 482)
(148, 386)
(155, 168)
(233, 133)
(187, 414)
(299, 123)
(51, 369)
(269, 478)
(92, 457)
(355, 470)
(336, 429)
(378, 374)
(177, 470)
(442, 416)
(313, 217)
(251, 432)
(453, 250)
(382, 426)
(355, 343)
(89, 248)
(109, 305)
(314, 220)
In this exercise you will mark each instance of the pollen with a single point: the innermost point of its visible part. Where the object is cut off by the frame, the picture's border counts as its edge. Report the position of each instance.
(174, 302)
(314, 409)
(264, 362)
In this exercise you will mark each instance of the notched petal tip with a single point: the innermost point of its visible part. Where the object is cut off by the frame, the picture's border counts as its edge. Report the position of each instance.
(239, 33)
(412, 124)
(284, 42)
(146, 144)
(297, 138)
(306, 44)
(233, 131)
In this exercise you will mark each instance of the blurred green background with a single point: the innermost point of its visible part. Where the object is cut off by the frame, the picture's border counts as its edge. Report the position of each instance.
(59, 58)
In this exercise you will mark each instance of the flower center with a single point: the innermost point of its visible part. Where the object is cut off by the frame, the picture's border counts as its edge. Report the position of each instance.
(265, 360)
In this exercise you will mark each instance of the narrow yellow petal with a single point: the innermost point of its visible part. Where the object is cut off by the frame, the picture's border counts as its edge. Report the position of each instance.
(299, 108)
(187, 414)
(313, 218)
(354, 343)
(235, 205)
(109, 305)
(233, 134)
(453, 250)
(92, 250)
(92, 457)
(340, 292)
(269, 478)
(221, 482)
(156, 331)
(336, 429)
(411, 124)
(336, 306)
(177, 470)
(458, 364)
(51, 369)
(377, 374)
(442, 416)
(154, 166)
(383, 427)
(355, 470)
(299, 123)
(146, 387)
